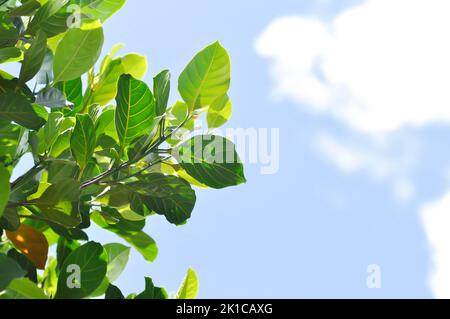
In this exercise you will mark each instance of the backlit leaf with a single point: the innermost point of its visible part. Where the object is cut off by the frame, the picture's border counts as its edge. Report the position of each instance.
(23, 288)
(206, 77)
(135, 112)
(219, 112)
(77, 53)
(189, 287)
(91, 259)
(83, 140)
(161, 89)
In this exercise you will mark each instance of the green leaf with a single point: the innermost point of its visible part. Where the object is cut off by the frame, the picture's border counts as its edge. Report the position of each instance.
(50, 279)
(25, 263)
(10, 220)
(56, 203)
(135, 112)
(83, 140)
(10, 54)
(152, 292)
(117, 260)
(24, 289)
(189, 288)
(77, 53)
(45, 14)
(170, 196)
(135, 65)
(50, 132)
(64, 248)
(5, 188)
(212, 160)
(73, 90)
(9, 270)
(26, 186)
(8, 32)
(17, 108)
(33, 58)
(161, 89)
(91, 259)
(206, 77)
(219, 112)
(57, 24)
(26, 9)
(114, 292)
(105, 89)
(101, 9)
(134, 236)
(105, 125)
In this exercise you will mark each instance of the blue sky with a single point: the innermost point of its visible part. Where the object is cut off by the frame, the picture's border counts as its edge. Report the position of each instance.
(309, 231)
(353, 186)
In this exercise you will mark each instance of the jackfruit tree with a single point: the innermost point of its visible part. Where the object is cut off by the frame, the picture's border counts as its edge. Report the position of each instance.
(104, 148)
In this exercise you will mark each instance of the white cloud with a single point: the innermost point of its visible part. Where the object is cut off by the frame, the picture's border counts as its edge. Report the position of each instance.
(436, 220)
(377, 67)
(376, 158)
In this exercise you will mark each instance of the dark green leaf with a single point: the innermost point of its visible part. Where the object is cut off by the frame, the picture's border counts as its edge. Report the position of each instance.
(152, 292)
(161, 89)
(26, 186)
(17, 108)
(212, 160)
(9, 54)
(26, 9)
(45, 14)
(114, 292)
(64, 249)
(33, 58)
(8, 31)
(9, 270)
(170, 196)
(10, 220)
(91, 259)
(25, 264)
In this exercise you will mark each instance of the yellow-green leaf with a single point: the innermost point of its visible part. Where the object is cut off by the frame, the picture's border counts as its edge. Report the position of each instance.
(189, 288)
(206, 77)
(77, 53)
(219, 112)
(83, 140)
